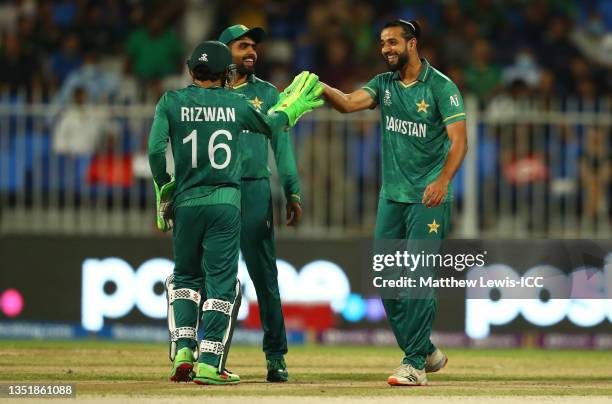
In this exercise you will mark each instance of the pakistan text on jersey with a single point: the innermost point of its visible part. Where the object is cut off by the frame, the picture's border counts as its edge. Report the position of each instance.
(208, 114)
(406, 127)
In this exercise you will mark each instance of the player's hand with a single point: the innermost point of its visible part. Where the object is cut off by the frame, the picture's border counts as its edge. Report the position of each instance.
(302, 96)
(294, 213)
(435, 193)
(163, 201)
(296, 84)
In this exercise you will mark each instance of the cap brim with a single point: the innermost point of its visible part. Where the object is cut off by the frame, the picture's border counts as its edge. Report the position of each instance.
(257, 34)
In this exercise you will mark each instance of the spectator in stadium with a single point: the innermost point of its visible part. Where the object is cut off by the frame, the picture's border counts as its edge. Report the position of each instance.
(336, 62)
(47, 35)
(455, 40)
(359, 28)
(66, 59)
(25, 31)
(595, 172)
(19, 69)
(94, 30)
(153, 53)
(80, 126)
(99, 84)
(525, 68)
(546, 87)
(556, 45)
(593, 40)
(482, 77)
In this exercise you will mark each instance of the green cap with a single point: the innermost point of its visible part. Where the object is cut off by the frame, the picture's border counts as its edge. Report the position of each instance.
(216, 55)
(236, 31)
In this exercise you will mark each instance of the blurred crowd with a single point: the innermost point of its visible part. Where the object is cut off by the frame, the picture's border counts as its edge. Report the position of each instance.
(75, 55)
(135, 49)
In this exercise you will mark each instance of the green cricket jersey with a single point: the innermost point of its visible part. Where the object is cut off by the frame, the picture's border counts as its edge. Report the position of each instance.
(414, 139)
(204, 126)
(254, 149)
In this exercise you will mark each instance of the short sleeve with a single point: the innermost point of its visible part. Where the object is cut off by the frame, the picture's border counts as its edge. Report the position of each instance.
(450, 103)
(373, 88)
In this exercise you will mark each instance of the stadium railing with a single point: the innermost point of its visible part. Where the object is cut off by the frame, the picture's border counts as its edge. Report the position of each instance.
(537, 168)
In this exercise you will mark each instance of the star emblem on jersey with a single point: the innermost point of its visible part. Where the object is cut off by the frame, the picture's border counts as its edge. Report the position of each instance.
(433, 227)
(257, 103)
(422, 106)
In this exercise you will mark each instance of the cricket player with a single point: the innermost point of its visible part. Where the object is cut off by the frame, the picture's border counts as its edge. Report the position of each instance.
(257, 237)
(204, 123)
(423, 144)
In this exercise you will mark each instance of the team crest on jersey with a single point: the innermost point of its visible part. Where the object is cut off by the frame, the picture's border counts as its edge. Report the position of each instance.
(422, 106)
(257, 103)
(203, 58)
(387, 98)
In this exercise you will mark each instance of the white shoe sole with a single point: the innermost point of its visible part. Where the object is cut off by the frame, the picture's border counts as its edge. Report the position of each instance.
(395, 382)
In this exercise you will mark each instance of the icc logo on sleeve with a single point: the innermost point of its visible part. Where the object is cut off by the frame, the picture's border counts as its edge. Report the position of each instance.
(387, 98)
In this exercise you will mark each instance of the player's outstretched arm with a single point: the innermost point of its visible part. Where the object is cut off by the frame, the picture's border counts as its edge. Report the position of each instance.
(345, 103)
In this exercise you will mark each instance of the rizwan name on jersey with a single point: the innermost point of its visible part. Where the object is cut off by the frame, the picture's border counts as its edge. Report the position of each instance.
(208, 114)
(406, 127)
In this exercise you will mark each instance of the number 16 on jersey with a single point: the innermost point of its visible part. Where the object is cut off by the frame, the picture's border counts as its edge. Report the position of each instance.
(212, 148)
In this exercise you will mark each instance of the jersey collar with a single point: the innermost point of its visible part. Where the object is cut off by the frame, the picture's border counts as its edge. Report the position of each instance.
(250, 79)
(205, 88)
(422, 75)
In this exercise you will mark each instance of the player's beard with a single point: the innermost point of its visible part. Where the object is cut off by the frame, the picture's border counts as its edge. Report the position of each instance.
(244, 70)
(402, 60)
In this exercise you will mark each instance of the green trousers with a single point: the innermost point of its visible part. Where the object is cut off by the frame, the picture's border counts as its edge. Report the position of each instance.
(258, 250)
(411, 319)
(206, 241)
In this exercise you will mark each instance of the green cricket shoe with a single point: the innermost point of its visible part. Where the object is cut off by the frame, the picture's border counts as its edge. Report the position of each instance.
(182, 366)
(277, 371)
(207, 374)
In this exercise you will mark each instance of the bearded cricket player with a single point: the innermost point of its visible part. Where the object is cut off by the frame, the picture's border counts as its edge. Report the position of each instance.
(257, 236)
(204, 123)
(424, 142)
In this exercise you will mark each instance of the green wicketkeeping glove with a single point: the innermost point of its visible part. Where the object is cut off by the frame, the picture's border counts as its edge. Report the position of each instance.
(300, 97)
(296, 84)
(163, 202)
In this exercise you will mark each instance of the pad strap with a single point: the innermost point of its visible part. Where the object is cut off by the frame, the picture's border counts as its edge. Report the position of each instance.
(222, 306)
(213, 347)
(183, 332)
(186, 294)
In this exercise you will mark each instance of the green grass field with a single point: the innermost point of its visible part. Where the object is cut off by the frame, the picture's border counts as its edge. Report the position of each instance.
(130, 369)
